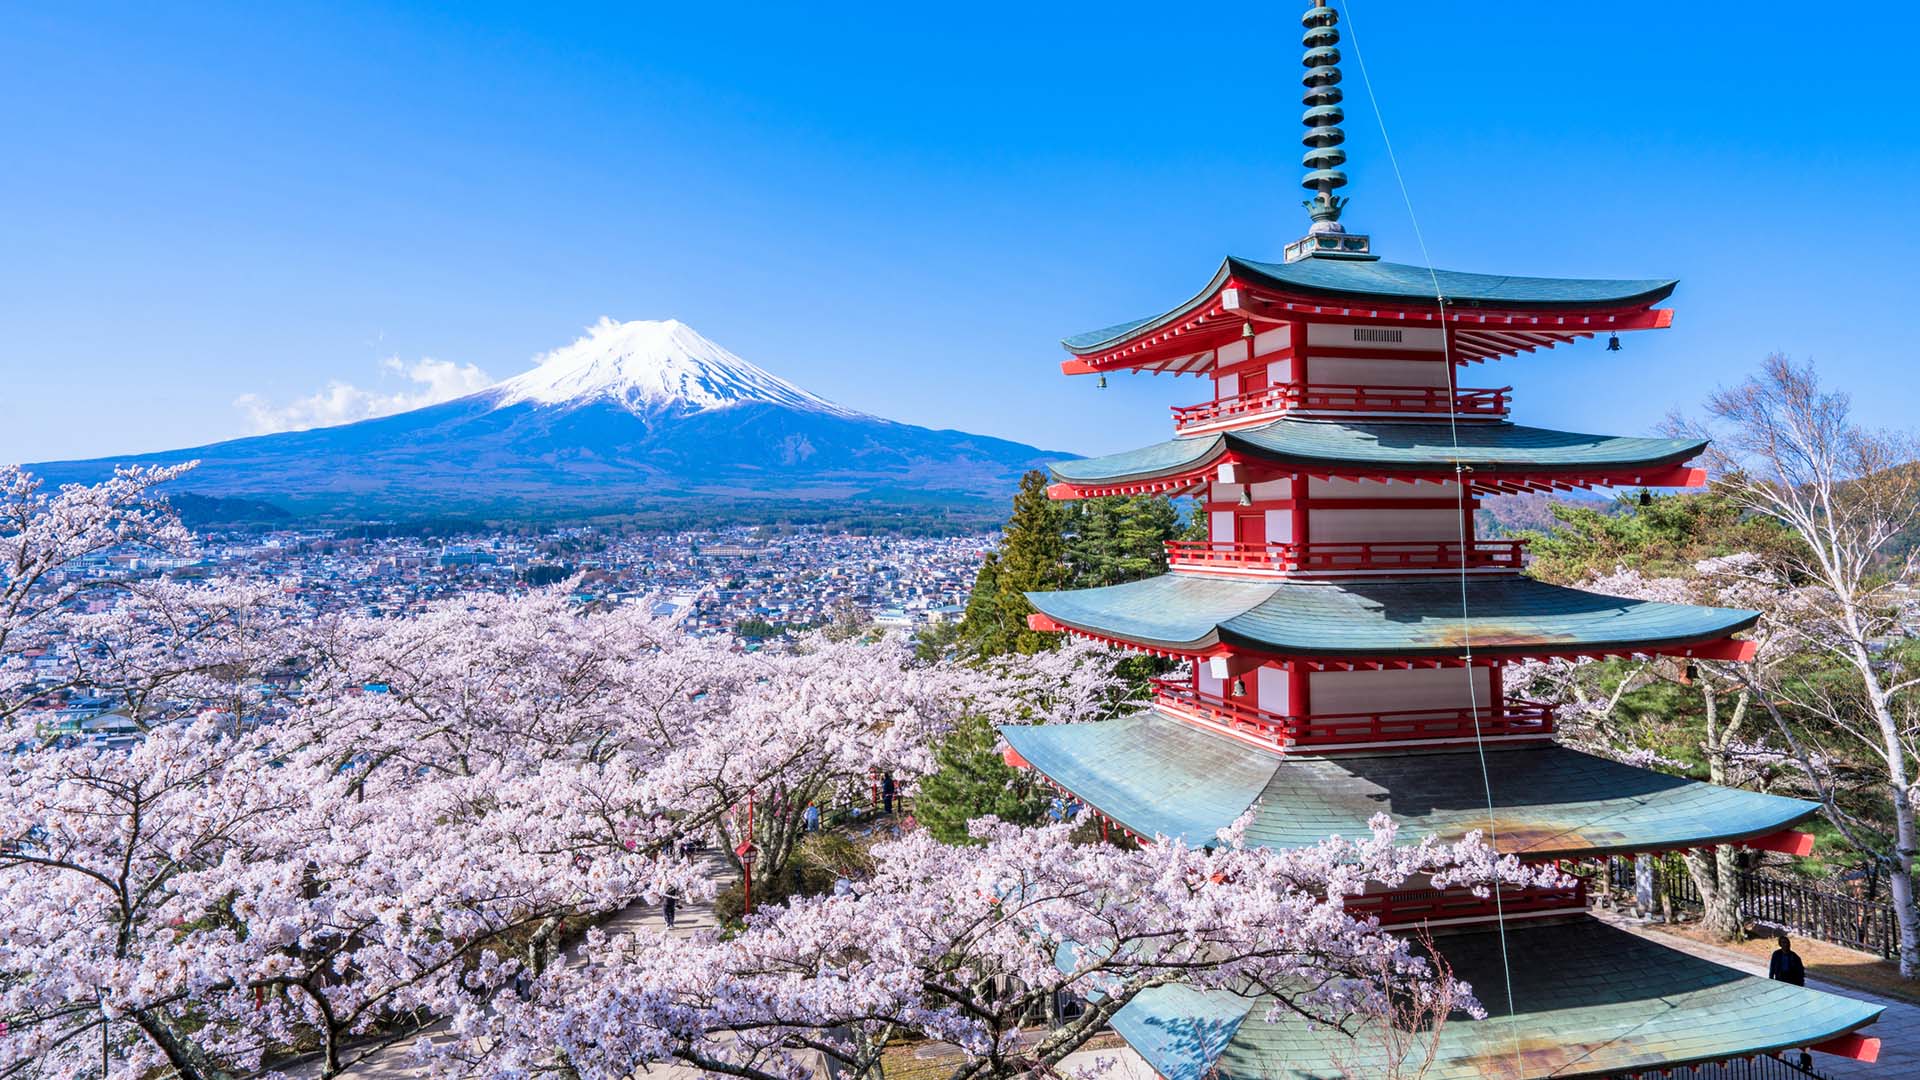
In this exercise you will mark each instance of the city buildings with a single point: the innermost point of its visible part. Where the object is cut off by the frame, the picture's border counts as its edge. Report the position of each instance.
(746, 582)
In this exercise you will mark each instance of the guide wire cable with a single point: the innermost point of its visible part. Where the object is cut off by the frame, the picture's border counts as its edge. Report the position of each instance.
(1461, 481)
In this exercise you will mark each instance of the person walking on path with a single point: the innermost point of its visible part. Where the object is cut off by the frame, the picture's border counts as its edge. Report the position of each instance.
(1787, 967)
(667, 908)
(886, 793)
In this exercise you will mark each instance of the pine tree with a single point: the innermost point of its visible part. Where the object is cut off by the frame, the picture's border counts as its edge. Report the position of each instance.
(1121, 538)
(1048, 545)
(1195, 529)
(971, 779)
(1145, 524)
(1033, 553)
(982, 631)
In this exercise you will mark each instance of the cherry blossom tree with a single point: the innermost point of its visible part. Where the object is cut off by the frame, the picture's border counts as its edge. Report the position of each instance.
(1078, 682)
(165, 648)
(110, 882)
(219, 895)
(45, 537)
(206, 900)
(967, 945)
(822, 721)
(453, 791)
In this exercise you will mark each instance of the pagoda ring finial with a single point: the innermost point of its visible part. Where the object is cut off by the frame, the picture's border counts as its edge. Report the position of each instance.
(1323, 114)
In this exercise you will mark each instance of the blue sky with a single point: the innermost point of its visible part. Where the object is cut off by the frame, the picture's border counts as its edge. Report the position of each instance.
(903, 208)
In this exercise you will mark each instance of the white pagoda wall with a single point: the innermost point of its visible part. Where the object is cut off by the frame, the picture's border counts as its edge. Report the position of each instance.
(1395, 691)
(1370, 371)
(1208, 683)
(1347, 526)
(1340, 488)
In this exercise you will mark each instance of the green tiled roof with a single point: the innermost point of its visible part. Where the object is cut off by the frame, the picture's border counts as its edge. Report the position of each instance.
(1373, 617)
(1387, 446)
(1401, 283)
(1159, 776)
(1607, 1002)
(1404, 281)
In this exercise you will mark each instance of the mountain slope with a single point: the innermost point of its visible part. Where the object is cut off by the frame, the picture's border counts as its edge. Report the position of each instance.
(632, 416)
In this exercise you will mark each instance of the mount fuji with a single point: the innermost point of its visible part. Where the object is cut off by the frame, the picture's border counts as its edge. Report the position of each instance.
(634, 416)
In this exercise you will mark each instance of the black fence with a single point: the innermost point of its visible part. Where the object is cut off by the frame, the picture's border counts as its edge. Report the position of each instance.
(1867, 925)
(1760, 1068)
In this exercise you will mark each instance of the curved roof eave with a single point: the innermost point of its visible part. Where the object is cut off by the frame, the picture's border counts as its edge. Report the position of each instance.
(1097, 340)
(1395, 283)
(1503, 615)
(1391, 446)
(1404, 283)
(1612, 1004)
(1157, 775)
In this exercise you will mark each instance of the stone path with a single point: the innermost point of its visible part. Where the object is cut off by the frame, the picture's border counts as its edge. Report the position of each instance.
(1898, 1029)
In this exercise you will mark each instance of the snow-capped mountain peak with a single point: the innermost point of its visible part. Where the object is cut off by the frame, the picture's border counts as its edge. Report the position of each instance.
(648, 365)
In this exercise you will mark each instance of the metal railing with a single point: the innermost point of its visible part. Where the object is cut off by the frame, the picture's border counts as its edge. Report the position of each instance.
(1325, 397)
(1763, 1067)
(1512, 716)
(1336, 556)
(1807, 910)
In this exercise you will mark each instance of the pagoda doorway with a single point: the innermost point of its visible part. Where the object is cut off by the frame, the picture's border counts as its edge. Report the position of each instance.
(1250, 527)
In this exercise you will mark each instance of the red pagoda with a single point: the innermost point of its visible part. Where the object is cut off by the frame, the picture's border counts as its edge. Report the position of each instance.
(1342, 635)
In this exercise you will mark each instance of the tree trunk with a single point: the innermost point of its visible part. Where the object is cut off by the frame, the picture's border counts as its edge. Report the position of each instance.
(187, 1062)
(1718, 880)
(1900, 887)
(1713, 872)
(1900, 860)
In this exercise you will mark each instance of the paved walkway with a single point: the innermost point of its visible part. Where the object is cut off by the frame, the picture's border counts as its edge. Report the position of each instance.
(1898, 1029)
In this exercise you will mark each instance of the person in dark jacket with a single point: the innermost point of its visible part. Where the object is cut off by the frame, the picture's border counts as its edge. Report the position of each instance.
(886, 793)
(1786, 966)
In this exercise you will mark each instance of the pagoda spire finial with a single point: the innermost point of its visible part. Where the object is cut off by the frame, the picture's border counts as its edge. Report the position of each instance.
(1323, 115)
(1323, 139)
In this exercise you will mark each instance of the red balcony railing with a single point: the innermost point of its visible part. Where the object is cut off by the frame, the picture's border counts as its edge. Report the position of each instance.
(1512, 716)
(1359, 555)
(1342, 398)
(1408, 907)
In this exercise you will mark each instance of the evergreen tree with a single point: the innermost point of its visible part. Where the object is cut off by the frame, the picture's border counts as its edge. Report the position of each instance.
(1120, 538)
(1033, 554)
(1047, 545)
(1195, 527)
(982, 632)
(1662, 537)
(937, 641)
(970, 780)
(1145, 524)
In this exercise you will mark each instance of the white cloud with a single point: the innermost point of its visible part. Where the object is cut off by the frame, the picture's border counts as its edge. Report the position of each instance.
(433, 381)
